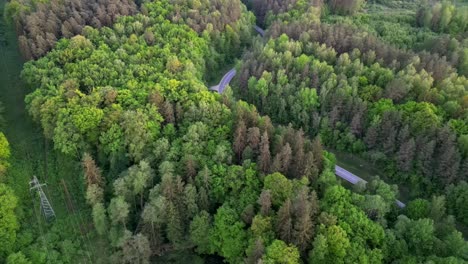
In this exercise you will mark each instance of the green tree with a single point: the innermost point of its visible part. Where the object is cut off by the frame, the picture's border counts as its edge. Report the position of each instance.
(9, 224)
(17, 258)
(4, 155)
(457, 200)
(100, 218)
(418, 209)
(280, 187)
(200, 229)
(175, 228)
(141, 176)
(280, 253)
(330, 245)
(118, 210)
(136, 249)
(229, 237)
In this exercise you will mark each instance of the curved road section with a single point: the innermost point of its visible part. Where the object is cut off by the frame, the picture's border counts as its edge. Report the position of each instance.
(353, 179)
(348, 176)
(259, 30)
(339, 171)
(224, 81)
(230, 74)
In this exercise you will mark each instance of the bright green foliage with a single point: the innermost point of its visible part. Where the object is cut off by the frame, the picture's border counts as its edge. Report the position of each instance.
(228, 237)
(200, 229)
(107, 92)
(4, 155)
(9, 223)
(100, 218)
(355, 223)
(419, 234)
(443, 17)
(118, 210)
(280, 253)
(457, 200)
(374, 99)
(17, 258)
(189, 169)
(418, 209)
(330, 246)
(262, 227)
(280, 187)
(227, 25)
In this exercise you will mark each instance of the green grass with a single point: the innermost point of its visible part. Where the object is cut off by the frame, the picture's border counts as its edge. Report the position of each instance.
(32, 154)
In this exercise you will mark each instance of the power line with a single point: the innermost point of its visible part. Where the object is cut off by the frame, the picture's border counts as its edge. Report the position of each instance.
(46, 207)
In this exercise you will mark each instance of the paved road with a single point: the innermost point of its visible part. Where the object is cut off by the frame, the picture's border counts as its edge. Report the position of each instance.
(353, 179)
(342, 173)
(230, 74)
(259, 30)
(348, 176)
(224, 81)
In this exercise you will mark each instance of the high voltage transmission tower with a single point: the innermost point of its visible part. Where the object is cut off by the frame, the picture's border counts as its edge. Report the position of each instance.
(46, 208)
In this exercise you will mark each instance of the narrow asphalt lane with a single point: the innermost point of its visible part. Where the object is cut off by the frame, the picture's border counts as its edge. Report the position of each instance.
(353, 179)
(339, 171)
(224, 81)
(230, 74)
(260, 30)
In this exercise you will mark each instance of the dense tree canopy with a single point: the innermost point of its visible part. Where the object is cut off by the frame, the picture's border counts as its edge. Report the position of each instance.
(169, 167)
(41, 23)
(9, 224)
(361, 106)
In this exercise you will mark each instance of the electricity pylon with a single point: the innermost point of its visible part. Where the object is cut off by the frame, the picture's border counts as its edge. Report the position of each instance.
(46, 208)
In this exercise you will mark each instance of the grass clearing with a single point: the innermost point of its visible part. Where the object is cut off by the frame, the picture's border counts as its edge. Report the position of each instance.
(31, 154)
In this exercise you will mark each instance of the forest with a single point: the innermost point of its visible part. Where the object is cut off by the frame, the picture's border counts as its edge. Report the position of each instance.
(109, 104)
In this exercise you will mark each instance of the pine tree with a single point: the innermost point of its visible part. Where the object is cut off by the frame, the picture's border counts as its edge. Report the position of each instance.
(174, 230)
(203, 201)
(239, 139)
(92, 173)
(265, 202)
(168, 112)
(303, 225)
(136, 249)
(405, 155)
(253, 138)
(371, 137)
(284, 226)
(100, 218)
(256, 252)
(190, 197)
(265, 157)
(448, 158)
(200, 232)
(317, 150)
(286, 158)
(426, 159)
(310, 167)
(298, 160)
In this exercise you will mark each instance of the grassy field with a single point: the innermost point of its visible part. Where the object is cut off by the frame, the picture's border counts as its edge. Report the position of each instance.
(32, 155)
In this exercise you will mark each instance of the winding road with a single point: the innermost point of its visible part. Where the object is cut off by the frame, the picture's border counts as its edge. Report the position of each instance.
(230, 74)
(224, 81)
(339, 171)
(259, 30)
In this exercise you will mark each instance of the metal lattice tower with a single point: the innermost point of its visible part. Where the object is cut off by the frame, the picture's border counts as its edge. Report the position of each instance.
(46, 208)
